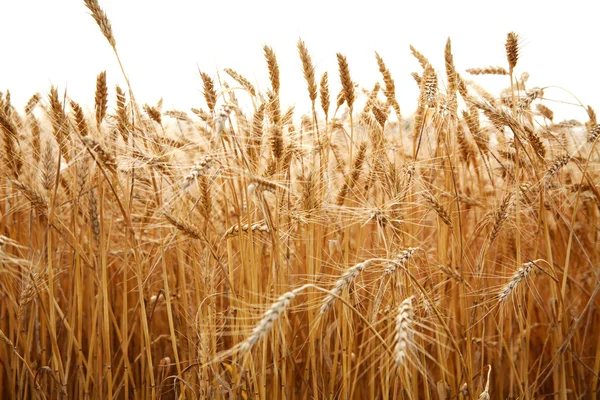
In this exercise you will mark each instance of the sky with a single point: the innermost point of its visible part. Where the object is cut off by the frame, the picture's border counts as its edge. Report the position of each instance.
(163, 45)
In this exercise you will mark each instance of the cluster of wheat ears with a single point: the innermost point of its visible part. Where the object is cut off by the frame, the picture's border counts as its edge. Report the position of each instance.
(353, 253)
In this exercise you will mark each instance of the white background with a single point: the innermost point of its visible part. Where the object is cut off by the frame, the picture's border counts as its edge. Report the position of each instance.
(163, 43)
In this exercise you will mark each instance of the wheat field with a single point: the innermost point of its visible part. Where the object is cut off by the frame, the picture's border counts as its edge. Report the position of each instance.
(357, 251)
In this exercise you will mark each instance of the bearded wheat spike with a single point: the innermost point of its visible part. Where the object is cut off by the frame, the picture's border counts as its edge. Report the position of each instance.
(403, 258)
(521, 274)
(102, 20)
(342, 283)
(403, 337)
(262, 329)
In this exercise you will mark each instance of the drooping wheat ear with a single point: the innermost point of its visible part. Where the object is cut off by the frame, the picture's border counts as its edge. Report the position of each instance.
(488, 71)
(451, 273)
(37, 200)
(342, 283)
(33, 279)
(545, 111)
(210, 95)
(524, 102)
(404, 333)
(480, 136)
(309, 70)
(403, 257)
(263, 185)
(462, 86)
(347, 84)
(273, 69)
(80, 123)
(121, 114)
(521, 274)
(101, 98)
(466, 147)
(101, 154)
(33, 101)
(420, 57)
(512, 50)
(351, 179)
(187, 228)
(324, 93)
(102, 20)
(372, 97)
(557, 165)
(256, 227)
(594, 133)
(288, 117)
(500, 216)
(153, 113)
(381, 113)
(178, 115)
(245, 83)
(198, 169)
(438, 208)
(262, 329)
(429, 89)
(485, 395)
(390, 86)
